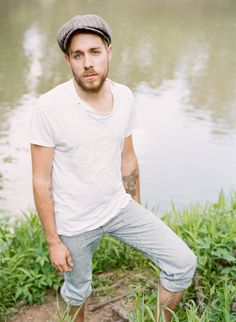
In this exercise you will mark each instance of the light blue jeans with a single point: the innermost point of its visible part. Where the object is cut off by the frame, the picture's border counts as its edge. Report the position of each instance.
(141, 229)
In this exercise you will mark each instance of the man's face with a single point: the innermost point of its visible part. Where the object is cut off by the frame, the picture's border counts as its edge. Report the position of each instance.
(89, 59)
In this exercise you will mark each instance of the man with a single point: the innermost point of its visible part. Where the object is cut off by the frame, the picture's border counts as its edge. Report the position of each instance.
(85, 171)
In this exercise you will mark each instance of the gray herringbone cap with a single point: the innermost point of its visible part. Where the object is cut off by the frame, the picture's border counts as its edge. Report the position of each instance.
(92, 23)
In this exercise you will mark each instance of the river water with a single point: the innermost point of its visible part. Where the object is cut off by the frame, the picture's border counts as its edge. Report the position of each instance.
(179, 59)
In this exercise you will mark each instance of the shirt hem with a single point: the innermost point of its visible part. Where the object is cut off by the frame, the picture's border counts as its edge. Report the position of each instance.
(102, 222)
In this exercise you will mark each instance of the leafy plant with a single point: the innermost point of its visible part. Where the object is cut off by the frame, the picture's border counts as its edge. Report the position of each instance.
(210, 230)
(25, 270)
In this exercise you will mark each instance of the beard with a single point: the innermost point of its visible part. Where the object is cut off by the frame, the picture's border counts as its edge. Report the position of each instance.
(91, 86)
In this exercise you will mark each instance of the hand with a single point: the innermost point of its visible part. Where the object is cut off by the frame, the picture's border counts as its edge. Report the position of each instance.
(60, 257)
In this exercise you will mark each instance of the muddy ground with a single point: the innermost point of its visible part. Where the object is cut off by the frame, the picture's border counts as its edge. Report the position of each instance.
(115, 291)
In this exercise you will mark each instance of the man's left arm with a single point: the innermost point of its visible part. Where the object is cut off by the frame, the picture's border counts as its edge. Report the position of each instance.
(130, 169)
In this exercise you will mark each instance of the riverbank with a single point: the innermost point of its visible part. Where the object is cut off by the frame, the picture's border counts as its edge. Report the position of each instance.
(26, 275)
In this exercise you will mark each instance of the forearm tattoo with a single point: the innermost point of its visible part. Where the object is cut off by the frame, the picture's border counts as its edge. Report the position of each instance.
(130, 183)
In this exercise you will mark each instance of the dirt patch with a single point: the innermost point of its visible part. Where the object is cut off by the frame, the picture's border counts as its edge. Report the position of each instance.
(112, 290)
(47, 312)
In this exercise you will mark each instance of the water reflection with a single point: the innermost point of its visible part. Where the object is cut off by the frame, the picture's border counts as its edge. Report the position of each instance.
(196, 36)
(184, 164)
(33, 47)
(177, 56)
(16, 196)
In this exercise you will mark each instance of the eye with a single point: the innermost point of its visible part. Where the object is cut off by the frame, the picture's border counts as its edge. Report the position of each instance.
(96, 52)
(77, 55)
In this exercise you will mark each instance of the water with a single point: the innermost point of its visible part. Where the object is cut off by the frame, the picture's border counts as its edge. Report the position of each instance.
(179, 59)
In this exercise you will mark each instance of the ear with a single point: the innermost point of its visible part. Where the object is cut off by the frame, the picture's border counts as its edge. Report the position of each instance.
(109, 51)
(67, 58)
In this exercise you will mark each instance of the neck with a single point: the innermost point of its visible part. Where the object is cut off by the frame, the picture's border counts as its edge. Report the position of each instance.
(101, 101)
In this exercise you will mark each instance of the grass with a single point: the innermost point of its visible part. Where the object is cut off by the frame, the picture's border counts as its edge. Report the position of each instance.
(25, 269)
(211, 233)
(210, 230)
(63, 315)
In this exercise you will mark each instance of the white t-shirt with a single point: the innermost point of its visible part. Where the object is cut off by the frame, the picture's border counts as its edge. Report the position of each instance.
(86, 174)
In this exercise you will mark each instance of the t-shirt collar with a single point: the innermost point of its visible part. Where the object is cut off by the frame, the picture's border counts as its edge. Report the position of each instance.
(91, 110)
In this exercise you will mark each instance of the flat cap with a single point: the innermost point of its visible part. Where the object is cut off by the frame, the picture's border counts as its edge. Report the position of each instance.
(91, 23)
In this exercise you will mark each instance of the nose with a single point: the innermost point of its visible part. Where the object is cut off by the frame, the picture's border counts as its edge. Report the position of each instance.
(87, 61)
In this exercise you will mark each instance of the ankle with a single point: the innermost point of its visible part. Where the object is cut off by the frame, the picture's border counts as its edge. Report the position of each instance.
(77, 312)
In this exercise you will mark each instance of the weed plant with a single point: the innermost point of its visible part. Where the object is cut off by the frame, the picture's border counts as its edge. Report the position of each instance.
(210, 231)
(25, 269)
(63, 314)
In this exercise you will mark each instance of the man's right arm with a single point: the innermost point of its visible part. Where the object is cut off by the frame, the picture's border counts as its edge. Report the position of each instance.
(42, 158)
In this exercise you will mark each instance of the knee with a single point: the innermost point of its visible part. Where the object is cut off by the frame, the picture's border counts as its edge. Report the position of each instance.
(179, 276)
(192, 262)
(185, 264)
(188, 263)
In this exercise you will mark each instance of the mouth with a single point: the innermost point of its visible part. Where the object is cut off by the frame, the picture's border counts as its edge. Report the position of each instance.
(88, 76)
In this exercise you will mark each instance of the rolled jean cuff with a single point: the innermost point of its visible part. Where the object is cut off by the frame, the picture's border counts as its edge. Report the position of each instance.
(175, 286)
(71, 301)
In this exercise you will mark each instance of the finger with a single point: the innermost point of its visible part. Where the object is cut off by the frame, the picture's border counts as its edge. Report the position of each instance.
(66, 268)
(59, 268)
(69, 260)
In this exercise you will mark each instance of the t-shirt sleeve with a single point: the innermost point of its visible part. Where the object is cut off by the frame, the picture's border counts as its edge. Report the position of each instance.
(40, 131)
(132, 120)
